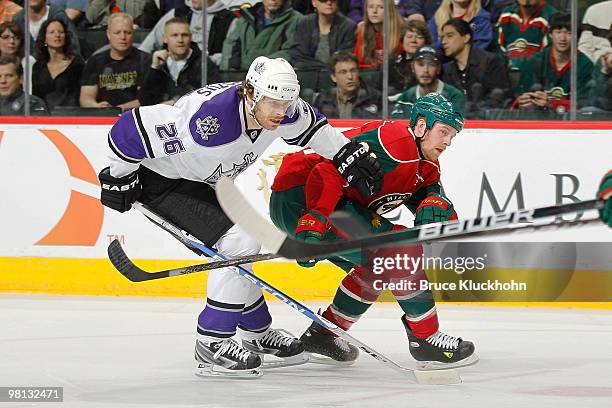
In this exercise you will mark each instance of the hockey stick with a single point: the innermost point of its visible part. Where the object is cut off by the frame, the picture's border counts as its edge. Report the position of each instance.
(122, 263)
(433, 377)
(242, 213)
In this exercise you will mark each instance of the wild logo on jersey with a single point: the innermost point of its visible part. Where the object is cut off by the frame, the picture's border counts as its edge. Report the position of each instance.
(388, 202)
(207, 127)
(557, 92)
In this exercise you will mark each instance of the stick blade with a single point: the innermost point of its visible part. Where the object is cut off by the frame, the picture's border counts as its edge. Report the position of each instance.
(437, 377)
(122, 263)
(242, 213)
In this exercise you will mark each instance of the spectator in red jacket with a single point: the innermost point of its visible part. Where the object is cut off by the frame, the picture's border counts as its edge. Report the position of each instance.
(369, 42)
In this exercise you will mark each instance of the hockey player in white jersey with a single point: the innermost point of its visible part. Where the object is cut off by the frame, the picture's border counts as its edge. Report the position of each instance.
(170, 157)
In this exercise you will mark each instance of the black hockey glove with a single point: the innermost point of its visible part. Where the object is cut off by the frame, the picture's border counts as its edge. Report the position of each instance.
(119, 193)
(360, 168)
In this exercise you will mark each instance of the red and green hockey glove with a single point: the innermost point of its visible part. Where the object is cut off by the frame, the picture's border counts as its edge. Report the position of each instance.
(311, 227)
(605, 193)
(434, 208)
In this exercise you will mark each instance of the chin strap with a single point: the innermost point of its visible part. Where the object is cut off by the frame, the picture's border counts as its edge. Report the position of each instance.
(418, 143)
(251, 112)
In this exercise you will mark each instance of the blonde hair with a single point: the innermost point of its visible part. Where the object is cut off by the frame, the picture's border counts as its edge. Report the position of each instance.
(116, 16)
(368, 45)
(445, 13)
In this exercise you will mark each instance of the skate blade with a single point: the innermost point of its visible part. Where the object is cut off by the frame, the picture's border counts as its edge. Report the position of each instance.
(437, 377)
(278, 362)
(437, 365)
(215, 371)
(320, 359)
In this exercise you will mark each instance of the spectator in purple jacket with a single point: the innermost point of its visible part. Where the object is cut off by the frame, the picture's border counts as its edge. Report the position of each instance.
(470, 11)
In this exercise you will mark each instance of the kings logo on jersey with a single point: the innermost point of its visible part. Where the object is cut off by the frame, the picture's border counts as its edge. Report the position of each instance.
(388, 202)
(207, 127)
(232, 173)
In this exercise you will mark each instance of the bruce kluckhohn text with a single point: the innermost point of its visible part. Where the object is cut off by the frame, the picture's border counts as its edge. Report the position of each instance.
(463, 285)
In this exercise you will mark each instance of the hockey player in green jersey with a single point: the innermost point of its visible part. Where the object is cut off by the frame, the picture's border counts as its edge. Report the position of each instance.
(308, 188)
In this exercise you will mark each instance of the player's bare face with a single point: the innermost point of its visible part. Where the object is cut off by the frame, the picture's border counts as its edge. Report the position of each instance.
(271, 112)
(436, 140)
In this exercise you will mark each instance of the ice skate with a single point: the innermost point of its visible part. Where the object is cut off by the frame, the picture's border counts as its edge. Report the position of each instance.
(326, 348)
(278, 348)
(225, 358)
(440, 351)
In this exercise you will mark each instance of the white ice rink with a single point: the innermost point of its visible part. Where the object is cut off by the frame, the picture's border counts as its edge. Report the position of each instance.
(118, 352)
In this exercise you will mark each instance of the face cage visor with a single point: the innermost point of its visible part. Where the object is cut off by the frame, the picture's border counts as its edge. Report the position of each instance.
(288, 99)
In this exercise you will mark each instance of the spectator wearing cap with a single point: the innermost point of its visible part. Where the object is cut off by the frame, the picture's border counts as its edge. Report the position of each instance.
(318, 35)
(545, 78)
(351, 98)
(481, 76)
(427, 68)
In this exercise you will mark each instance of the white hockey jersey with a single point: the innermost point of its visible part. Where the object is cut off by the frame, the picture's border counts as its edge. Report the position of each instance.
(204, 136)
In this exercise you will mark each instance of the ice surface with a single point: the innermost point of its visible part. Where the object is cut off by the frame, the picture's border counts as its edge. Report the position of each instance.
(138, 352)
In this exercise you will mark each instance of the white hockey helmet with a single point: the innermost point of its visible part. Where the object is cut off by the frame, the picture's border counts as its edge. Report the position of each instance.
(274, 78)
